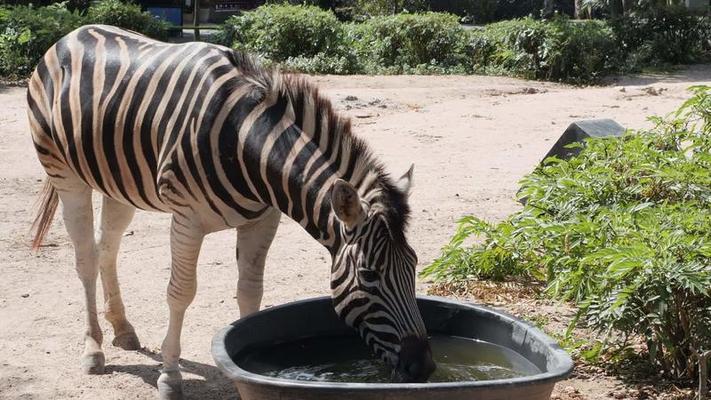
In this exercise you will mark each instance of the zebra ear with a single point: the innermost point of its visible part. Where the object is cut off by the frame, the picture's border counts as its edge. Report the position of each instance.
(346, 203)
(405, 181)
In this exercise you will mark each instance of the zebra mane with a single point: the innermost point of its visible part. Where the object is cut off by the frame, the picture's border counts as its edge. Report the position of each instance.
(297, 89)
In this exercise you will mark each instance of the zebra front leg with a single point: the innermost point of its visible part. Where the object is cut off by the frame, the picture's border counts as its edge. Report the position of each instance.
(185, 241)
(253, 243)
(78, 216)
(115, 218)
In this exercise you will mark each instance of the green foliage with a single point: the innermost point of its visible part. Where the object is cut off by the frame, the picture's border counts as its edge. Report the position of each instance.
(389, 7)
(278, 32)
(128, 15)
(306, 38)
(623, 230)
(475, 11)
(558, 50)
(667, 35)
(406, 43)
(27, 32)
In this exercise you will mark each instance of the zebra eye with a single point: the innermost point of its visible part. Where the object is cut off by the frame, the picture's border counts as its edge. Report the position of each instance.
(368, 275)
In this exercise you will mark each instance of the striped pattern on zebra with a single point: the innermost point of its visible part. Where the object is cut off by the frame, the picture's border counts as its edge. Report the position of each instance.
(205, 133)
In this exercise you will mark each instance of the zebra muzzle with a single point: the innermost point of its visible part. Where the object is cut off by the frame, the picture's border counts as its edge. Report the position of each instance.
(415, 362)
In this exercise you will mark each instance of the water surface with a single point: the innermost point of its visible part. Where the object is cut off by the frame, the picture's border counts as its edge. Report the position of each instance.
(347, 359)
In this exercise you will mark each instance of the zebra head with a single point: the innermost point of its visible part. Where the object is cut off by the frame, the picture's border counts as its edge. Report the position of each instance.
(373, 277)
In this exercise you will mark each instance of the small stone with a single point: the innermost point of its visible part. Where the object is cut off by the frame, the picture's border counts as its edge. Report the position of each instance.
(26, 295)
(351, 98)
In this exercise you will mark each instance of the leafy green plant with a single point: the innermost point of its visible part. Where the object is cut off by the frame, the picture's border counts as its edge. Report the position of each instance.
(559, 50)
(623, 230)
(662, 35)
(389, 7)
(475, 11)
(27, 32)
(280, 31)
(407, 43)
(128, 15)
(304, 38)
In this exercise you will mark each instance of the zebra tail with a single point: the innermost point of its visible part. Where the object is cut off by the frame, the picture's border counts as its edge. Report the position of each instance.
(48, 206)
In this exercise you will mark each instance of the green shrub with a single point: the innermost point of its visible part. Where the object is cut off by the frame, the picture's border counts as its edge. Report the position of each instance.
(72, 5)
(476, 11)
(389, 7)
(127, 15)
(406, 43)
(278, 32)
(321, 64)
(558, 50)
(668, 35)
(623, 230)
(303, 38)
(27, 32)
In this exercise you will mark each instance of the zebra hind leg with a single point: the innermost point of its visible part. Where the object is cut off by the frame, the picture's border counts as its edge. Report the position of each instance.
(78, 218)
(253, 243)
(115, 218)
(185, 242)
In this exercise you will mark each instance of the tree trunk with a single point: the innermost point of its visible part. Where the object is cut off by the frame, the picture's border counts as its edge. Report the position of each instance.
(578, 9)
(703, 374)
(196, 18)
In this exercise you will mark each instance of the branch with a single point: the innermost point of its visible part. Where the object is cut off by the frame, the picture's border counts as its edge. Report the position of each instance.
(703, 358)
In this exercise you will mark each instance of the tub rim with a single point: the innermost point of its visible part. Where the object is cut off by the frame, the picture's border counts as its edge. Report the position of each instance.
(234, 372)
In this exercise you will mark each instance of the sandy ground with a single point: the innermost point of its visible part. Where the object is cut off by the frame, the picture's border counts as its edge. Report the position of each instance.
(471, 139)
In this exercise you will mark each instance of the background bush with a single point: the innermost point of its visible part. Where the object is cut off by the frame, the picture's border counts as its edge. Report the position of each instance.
(304, 37)
(27, 32)
(407, 43)
(558, 50)
(623, 230)
(278, 32)
(667, 35)
(128, 15)
(311, 39)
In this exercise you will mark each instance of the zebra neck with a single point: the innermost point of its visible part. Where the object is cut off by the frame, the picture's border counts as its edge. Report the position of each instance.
(310, 186)
(318, 148)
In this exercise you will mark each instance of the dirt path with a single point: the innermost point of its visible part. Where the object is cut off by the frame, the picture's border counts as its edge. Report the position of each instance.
(471, 139)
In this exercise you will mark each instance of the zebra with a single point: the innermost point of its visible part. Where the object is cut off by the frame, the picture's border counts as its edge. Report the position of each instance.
(209, 135)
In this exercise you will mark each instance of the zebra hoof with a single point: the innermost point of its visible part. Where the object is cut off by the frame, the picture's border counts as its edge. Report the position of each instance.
(93, 363)
(127, 341)
(170, 386)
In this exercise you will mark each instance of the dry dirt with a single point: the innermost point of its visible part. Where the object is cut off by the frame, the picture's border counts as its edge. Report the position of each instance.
(471, 139)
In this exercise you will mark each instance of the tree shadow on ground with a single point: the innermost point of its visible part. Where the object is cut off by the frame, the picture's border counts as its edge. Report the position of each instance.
(213, 386)
(691, 74)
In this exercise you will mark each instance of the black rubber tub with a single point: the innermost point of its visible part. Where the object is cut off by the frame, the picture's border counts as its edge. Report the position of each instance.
(315, 317)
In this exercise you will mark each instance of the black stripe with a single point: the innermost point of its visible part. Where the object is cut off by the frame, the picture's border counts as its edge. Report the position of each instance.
(254, 142)
(64, 54)
(86, 90)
